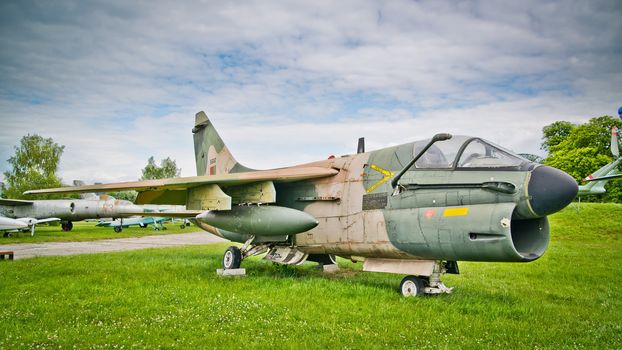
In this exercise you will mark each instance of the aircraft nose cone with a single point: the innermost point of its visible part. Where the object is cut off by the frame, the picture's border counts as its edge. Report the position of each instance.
(550, 190)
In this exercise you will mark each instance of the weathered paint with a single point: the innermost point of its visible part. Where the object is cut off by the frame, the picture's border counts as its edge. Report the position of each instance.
(446, 213)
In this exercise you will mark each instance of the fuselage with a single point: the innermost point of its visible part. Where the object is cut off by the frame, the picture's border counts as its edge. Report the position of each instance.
(466, 199)
(71, 209)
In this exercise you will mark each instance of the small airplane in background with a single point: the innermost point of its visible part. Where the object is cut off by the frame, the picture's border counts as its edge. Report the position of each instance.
(600, 177)
(9, 225)
(413, 209)
(119, 224)
(156, 218)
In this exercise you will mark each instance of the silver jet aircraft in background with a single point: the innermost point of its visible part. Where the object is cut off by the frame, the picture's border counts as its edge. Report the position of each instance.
(68, 210)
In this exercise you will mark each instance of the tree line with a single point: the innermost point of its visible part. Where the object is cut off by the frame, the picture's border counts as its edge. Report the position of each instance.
(35, 163)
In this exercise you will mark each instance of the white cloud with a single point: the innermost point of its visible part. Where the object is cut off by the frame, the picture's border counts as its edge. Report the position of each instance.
(117, 82)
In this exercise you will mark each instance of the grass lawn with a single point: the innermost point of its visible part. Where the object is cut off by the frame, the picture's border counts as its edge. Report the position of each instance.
(172, 298)
(87, 231)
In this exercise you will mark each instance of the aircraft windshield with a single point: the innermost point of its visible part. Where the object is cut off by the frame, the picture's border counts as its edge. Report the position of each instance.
(441, 155)
(476, 154)
(479, 154)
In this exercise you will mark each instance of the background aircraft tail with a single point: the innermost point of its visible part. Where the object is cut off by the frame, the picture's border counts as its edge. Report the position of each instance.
(606, 172)
(211, 154)
(90, 196)
(615, 150)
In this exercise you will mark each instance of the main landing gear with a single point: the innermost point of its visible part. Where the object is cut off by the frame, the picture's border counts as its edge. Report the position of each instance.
(66, 226)
(413, 286)
(232, 258)
(233, 255)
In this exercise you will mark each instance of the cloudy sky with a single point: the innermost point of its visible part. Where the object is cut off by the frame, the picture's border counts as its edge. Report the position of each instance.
(290, 82)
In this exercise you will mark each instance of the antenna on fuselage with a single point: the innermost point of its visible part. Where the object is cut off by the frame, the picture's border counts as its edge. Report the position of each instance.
(361, 146)
(437, 137)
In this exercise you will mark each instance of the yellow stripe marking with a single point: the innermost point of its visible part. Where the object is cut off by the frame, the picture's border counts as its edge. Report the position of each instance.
(456, 211)
(387, 175)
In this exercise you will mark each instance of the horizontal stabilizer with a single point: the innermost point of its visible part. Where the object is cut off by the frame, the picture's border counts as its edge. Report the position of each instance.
(180, 183)
(608, 177)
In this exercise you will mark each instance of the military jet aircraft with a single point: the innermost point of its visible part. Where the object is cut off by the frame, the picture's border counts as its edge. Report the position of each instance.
(599, 178)
(413, 209)
(119, 224)
(68, 210)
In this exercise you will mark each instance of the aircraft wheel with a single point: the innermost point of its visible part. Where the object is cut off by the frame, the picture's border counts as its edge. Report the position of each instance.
(232, 258)
(142, 225)
(412, 286)
(182, 226)
(67, 226)
(118, 229)
(7, 234)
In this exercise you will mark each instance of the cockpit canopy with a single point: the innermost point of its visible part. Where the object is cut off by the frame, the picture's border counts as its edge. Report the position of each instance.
(465, 152)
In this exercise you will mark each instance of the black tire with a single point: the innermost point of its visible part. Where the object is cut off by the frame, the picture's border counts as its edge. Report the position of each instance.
(182, 226)
(118, 229)
(232, 258)
(67, 226)
(412, 286)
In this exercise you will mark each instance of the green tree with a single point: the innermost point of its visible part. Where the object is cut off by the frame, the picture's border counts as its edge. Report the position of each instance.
(555, 133)
(33, 166)
(125, 195)
(167, 169)
(581, 149)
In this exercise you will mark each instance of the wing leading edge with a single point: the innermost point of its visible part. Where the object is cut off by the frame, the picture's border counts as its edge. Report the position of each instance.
(214, 192)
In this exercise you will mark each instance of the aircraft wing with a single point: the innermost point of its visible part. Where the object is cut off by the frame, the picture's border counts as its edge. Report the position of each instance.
(607, 177)
(180, 183)
(206, 192)
(4, 201)
(40, 221)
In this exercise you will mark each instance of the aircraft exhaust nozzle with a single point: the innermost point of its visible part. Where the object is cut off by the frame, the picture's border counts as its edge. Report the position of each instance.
(550, 190)
(260, 220)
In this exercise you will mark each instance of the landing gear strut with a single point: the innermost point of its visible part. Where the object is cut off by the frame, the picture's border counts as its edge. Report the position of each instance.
(233, 255)
(412, 286)
(66, 226)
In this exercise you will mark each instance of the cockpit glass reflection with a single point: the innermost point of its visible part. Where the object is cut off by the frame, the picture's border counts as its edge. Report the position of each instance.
(470, 152)
(479, 154)
(440, 155)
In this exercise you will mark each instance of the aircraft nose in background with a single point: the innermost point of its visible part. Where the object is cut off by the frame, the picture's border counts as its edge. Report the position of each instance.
(550, 190)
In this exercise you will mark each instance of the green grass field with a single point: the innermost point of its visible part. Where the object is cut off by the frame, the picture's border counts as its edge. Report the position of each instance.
(87, 231)
(172, 298)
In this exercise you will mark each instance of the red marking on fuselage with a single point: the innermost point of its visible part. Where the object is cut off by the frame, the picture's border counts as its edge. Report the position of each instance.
(429, 213)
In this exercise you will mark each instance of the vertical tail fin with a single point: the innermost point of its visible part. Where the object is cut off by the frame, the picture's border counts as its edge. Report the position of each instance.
(211, 154)
(615, 150)
(92, 196)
